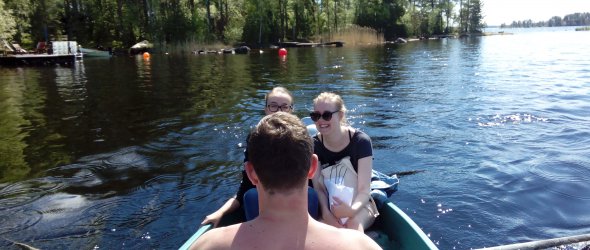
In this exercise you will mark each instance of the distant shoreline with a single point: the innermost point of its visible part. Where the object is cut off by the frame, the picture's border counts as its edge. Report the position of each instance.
(508, 27)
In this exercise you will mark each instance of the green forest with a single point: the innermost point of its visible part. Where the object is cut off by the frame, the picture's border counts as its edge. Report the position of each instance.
(576, 19)
(122, 23)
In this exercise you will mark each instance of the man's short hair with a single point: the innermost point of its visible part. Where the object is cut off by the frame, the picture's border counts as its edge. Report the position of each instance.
(280, 150)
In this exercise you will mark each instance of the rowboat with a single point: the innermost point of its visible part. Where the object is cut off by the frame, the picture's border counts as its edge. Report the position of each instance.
(394, 229)
(140, 47)
(95, 53)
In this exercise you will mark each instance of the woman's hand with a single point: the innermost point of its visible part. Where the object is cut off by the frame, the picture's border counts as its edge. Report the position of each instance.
(341, 209)
(331, 220)
(230, 205)
(213, 218)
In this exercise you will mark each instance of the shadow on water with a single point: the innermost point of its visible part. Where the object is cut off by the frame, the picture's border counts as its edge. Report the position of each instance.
(82, 141)
(55, 115)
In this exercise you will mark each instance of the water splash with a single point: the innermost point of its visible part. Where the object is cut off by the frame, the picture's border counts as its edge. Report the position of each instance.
(500, 120)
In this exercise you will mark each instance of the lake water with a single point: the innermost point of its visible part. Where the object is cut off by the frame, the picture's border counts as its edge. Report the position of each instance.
(132, 153)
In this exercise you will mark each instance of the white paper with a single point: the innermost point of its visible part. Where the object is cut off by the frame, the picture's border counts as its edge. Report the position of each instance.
(344, 193)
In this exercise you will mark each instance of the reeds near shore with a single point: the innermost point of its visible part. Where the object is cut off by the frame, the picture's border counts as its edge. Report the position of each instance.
(189, 46)
(354, 35)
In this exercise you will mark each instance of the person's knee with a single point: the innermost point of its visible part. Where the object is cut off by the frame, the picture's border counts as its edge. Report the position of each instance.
(364, 219)
(353, 223)
(313, 203)
(251, 194)
(250, 204)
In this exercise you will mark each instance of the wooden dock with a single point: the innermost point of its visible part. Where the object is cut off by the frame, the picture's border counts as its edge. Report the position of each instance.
(37, 59)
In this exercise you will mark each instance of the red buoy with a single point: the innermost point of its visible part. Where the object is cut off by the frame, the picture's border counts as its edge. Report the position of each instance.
(282, 52)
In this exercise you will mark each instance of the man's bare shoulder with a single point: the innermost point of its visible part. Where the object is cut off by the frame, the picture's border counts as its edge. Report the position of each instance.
(320, 236)
(341, 238)
(359, 239)
(217, 238)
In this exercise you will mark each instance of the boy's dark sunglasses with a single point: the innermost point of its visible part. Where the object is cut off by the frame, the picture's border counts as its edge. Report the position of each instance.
(327, 115)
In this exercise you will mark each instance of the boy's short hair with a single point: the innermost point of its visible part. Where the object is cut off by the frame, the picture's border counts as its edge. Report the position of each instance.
(278, 90)
(280, 150)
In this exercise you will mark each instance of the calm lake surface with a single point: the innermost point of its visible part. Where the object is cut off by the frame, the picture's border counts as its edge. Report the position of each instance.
(127, 153)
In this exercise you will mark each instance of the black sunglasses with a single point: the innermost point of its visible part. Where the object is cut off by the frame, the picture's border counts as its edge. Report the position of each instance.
(327, 115)
(275, 107)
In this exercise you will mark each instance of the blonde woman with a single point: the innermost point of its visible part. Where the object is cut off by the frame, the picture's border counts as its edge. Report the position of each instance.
(346, 159)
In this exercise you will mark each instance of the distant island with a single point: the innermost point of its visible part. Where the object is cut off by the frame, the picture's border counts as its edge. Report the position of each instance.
(576, 19)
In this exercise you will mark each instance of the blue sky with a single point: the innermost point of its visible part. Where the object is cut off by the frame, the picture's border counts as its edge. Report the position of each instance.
(497, 12)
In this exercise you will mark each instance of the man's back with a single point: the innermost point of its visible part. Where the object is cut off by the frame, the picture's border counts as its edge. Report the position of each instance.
(273, 235)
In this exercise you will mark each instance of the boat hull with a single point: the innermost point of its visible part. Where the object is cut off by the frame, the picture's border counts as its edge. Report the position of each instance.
(401, 231)
(37, 59)
(95, 53)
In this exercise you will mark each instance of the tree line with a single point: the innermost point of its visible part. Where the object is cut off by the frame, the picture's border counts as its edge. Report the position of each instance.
(121, 23)
(576, 19)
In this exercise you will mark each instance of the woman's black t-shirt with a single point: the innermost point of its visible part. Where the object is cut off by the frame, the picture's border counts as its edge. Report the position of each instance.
(359, 147)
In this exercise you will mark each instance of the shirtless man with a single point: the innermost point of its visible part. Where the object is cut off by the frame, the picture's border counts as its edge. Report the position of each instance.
(281, 161)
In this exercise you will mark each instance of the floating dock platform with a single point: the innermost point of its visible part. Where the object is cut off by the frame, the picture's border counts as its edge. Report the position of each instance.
(37, 60)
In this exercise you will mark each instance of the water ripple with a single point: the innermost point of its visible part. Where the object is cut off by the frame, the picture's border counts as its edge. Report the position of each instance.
(21, 193)
(128, 157)
(563, 171)
(566, 178)
(18, 220)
